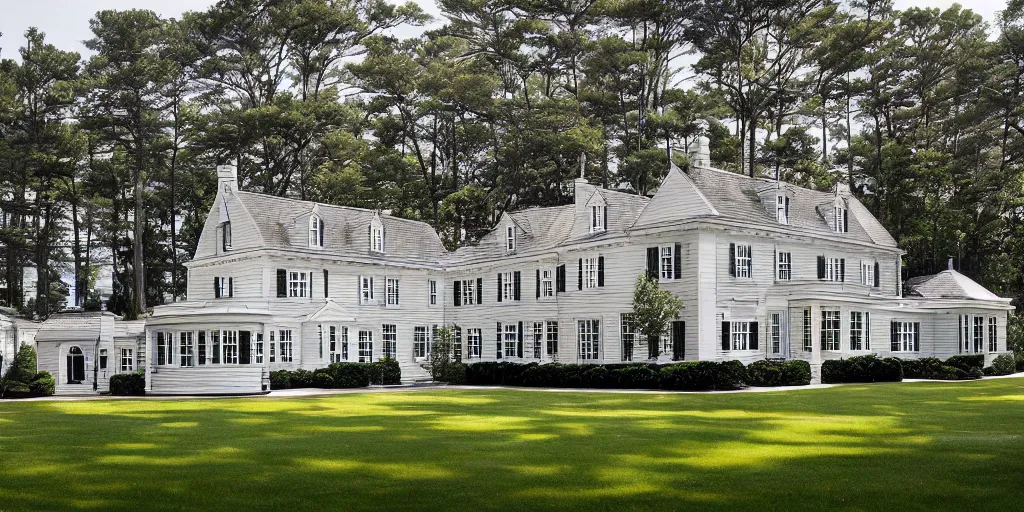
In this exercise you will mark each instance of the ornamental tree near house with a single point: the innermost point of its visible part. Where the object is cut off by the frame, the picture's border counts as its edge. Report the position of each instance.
(653, 309)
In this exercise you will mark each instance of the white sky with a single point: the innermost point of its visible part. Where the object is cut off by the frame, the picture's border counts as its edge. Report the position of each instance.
(66, 22)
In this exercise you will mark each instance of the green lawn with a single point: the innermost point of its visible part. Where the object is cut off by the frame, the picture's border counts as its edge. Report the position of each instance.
(908, 446)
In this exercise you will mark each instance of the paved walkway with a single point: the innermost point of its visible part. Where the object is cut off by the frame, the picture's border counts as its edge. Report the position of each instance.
(313, 392)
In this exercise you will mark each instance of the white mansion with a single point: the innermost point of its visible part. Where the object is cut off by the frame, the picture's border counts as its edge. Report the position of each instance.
(765, 269)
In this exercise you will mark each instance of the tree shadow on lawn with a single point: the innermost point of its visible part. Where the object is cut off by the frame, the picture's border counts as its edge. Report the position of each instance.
(908, 446)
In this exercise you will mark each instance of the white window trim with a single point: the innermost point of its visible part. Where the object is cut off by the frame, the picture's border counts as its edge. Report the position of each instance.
(391, 289)
(666, 263)
(782, 209)
(835, 270)
(831, 330)
(547, 283)
(588, 339)
(904, 337)
(388, 340)
(839, 214)
(860, 330)
(739, 335)
(743, 262)
(508, 286)
(468, 292)
(300, 280)
(597, 218)
(286, 346)
(376, 238)
(510, 238)
(474, 343)
(590, 272)
(431, 292)
(127, 360)
(366, 290)
(510, 339)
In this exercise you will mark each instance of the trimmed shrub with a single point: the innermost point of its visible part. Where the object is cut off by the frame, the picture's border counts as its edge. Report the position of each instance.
(921, 368)
(1002, 365)
(454, 373)
(767, 373)
(967, 363)
(128, 384)
(598, 377)
(280, 379)
(44, 384)
(869, 368)
(349, 375)
(385, 372)
(322, 378)
(635, 377)
(703, 376)
(302, 378)
(15, 383)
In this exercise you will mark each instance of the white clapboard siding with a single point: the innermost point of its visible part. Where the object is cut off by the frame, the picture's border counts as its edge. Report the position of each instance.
(217, 379)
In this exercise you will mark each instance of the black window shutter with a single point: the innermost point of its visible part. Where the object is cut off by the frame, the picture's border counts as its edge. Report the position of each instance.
(894, 343)
(580, 275)
(846, 221)
(244, 347)
(732, 260)
(677, 264)
(231, 287)
(479, 290)
(517, 281)
(678, 340)
(753, 335)
(842, 270)
(498, 353)
(876, 274)
(499, 286)
(457, 292)
(821, 267)
(560, 279)
(311, 285)
(519, 343)
(538, 283)
(750, 261)
(600, 271)
(652, 263)
(216, 287)
(725, 336)
(321, 230)
(606, 218)
(282, 282)
(917, 336)
(326, 290)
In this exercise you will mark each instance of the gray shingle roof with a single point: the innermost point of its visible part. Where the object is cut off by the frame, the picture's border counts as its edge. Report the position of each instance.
(545, 228)
(948, 284)
(346, 229)
(80, 327)
(737, 197)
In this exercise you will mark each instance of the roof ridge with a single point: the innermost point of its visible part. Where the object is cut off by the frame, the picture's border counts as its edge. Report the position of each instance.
(337, 206)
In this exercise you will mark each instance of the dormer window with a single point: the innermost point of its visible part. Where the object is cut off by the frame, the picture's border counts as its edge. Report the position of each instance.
(598, 218)
(316, 231)
(376, 235)
(782, 209)
(841, 217)
(510, 239)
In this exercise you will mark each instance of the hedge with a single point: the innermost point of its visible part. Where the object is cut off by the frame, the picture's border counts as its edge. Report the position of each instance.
(703, 376)
(954, 368)
(694, 376)
(1002, 365)
(128, 384)
(22, 380)
(968, 363)
(339, 375)
(767, 373)
(869, 368)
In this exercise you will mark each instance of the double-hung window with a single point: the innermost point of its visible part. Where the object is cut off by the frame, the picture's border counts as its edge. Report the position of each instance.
(808, 341)
(590, 272)
(739, 333)
(468, 291)
(742, 261)
(840, 214)
(508, 286)
(377, 239)
(904, 334)
(366, 290)
(225, 233)
(775, 333)
(831, 327)
(127, 360)
(510, 239)
(257, 349)
(229, 343)
(284, 340)
(420, 342)
(979, 334)
(860, 330)
(547, 283)
(297, 284)
(784, 266)
(667, 263)
(474, 343)
(551, 338)
(627, 335)
(186, 347)
(389, 333)
(597, 218)
(782, 209)
(867, 273)
(589, 333)
(835, 269)
(511, 339)
(993, 335)
(392, 291)
(365, 346)
(315, 226)
(432, 292)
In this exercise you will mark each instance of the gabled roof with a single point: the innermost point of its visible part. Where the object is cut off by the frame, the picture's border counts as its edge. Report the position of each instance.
(677, 198)
(736, 197)
(543, 227)
(346, 229)
(949, 284)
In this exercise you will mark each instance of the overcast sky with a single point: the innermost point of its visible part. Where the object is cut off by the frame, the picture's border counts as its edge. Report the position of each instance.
(66, 22)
